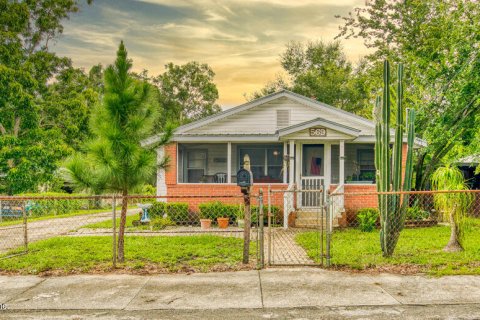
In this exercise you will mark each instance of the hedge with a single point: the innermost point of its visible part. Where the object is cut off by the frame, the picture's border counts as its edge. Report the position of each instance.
(177, 212)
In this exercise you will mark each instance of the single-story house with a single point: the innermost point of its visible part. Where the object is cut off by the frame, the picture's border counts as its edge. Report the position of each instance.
(291, 140)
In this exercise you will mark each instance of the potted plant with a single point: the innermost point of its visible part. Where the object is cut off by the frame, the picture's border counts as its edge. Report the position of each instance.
(223, 222)
(205, 221)
(240, 217)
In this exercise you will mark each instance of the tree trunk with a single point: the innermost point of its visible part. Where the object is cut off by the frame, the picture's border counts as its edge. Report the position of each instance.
(454, 244)
(121, 231)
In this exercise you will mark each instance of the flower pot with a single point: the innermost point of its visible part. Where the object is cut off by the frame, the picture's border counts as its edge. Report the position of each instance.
(223, 222)
(241, 223)
(205, 223)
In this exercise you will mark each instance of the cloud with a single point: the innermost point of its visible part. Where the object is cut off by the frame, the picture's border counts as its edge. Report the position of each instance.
(240, 39)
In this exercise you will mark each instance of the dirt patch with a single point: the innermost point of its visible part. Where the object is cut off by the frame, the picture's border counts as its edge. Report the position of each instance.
(147, 269)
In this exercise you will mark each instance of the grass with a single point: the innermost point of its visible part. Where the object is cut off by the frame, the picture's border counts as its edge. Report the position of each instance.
(51, 216)
(420, 248)
(107, 224)
(60, 216)
(92, 254)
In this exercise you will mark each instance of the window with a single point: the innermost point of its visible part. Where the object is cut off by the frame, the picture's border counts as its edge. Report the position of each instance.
(283, 118)
(196, 165)
(366, 164)
(266, 162)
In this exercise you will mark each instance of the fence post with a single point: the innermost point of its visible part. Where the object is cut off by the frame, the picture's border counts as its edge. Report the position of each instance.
(246, 229)
(269, 213)
(114, 230)
(25, 227)
(329, 206)
(260, 227)
(1, 213)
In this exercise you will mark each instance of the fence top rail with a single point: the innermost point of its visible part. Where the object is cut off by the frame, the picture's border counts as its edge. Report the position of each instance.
(432, 192)
(39, 198)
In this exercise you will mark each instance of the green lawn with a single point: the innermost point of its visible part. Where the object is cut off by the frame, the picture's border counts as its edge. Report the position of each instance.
(86, 254)
(107, 224)
(420, 248)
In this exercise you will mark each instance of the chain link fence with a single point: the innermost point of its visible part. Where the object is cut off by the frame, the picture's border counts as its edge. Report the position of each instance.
(158, 231)
(413, 228)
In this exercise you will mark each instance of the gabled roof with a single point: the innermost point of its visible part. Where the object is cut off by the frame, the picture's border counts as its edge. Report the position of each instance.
(283, 93)
(319, 122)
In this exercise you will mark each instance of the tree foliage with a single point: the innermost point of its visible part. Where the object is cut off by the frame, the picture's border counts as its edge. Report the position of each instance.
(439, 40)
(28, 151)
(453, 206)
(187, 92)
(321, 71)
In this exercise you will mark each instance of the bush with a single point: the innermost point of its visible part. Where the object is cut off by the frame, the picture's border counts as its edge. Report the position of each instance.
(217, 209)
(161, 223)
(416, 213)
(367, 219)
(177, 212)
(275, 213)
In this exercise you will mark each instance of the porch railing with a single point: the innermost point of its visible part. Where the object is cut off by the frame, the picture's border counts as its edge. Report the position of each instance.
(311, 199)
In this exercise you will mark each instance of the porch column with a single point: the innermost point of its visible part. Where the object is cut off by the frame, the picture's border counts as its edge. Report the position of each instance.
(292, 162)
(342, 163)
(328, 166)
(284, 162)
(229, 162)
(298, 171)
(161, 183)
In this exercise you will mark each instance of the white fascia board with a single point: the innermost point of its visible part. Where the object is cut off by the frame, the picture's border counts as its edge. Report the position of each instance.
(319, 122)
(225, 138)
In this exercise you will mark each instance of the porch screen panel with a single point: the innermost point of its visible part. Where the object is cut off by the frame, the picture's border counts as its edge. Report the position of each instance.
(359, 163)
(202, 163)
(335, 162)
(266, 161)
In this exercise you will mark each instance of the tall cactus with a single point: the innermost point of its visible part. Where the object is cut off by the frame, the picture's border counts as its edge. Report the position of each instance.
(392, 207)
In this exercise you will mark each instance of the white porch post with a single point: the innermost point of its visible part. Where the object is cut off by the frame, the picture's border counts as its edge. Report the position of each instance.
(342, 163)
(292, 163)
(229, 162)
(298, 172)
(328, 166)
(161, 184)
(285, 154)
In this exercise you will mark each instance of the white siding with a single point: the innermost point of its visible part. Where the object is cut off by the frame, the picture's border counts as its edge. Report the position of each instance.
(262, 119)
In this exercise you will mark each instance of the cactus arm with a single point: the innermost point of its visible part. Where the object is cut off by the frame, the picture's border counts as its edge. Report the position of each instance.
(386, 175)
(397, 152)
(407, 185)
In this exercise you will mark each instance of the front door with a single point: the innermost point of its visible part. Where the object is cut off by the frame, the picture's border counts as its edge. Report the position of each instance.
(312, 175)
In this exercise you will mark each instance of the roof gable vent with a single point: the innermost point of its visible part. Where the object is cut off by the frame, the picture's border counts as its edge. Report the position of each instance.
(283, 118)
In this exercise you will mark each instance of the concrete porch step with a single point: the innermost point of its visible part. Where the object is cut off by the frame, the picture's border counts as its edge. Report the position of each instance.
(306, 221)
(310, 214)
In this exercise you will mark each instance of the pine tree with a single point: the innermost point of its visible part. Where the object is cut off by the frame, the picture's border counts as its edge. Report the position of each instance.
(115, 160)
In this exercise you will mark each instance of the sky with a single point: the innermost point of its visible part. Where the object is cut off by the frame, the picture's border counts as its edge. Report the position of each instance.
(241, 40)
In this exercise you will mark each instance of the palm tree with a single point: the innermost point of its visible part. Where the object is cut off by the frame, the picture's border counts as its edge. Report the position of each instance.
(115, 160)
(453, 205)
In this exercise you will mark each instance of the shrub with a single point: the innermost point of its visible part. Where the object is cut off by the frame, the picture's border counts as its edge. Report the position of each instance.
(160, 223)
(177, 212)
(275, 213)
(217, 209)
(416, 213)
(367, 219)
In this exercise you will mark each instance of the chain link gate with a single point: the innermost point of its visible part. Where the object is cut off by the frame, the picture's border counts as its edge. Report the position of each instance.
(300, 236)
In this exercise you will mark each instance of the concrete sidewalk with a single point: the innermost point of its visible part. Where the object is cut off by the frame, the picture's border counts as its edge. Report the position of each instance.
(262, 290)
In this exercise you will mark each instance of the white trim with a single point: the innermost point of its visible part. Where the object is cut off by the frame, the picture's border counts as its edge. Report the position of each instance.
(229, 164)
(327, 170)
(341, 167)
(292, 160)
(161, 183)
(223, 138)
(319, 122)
